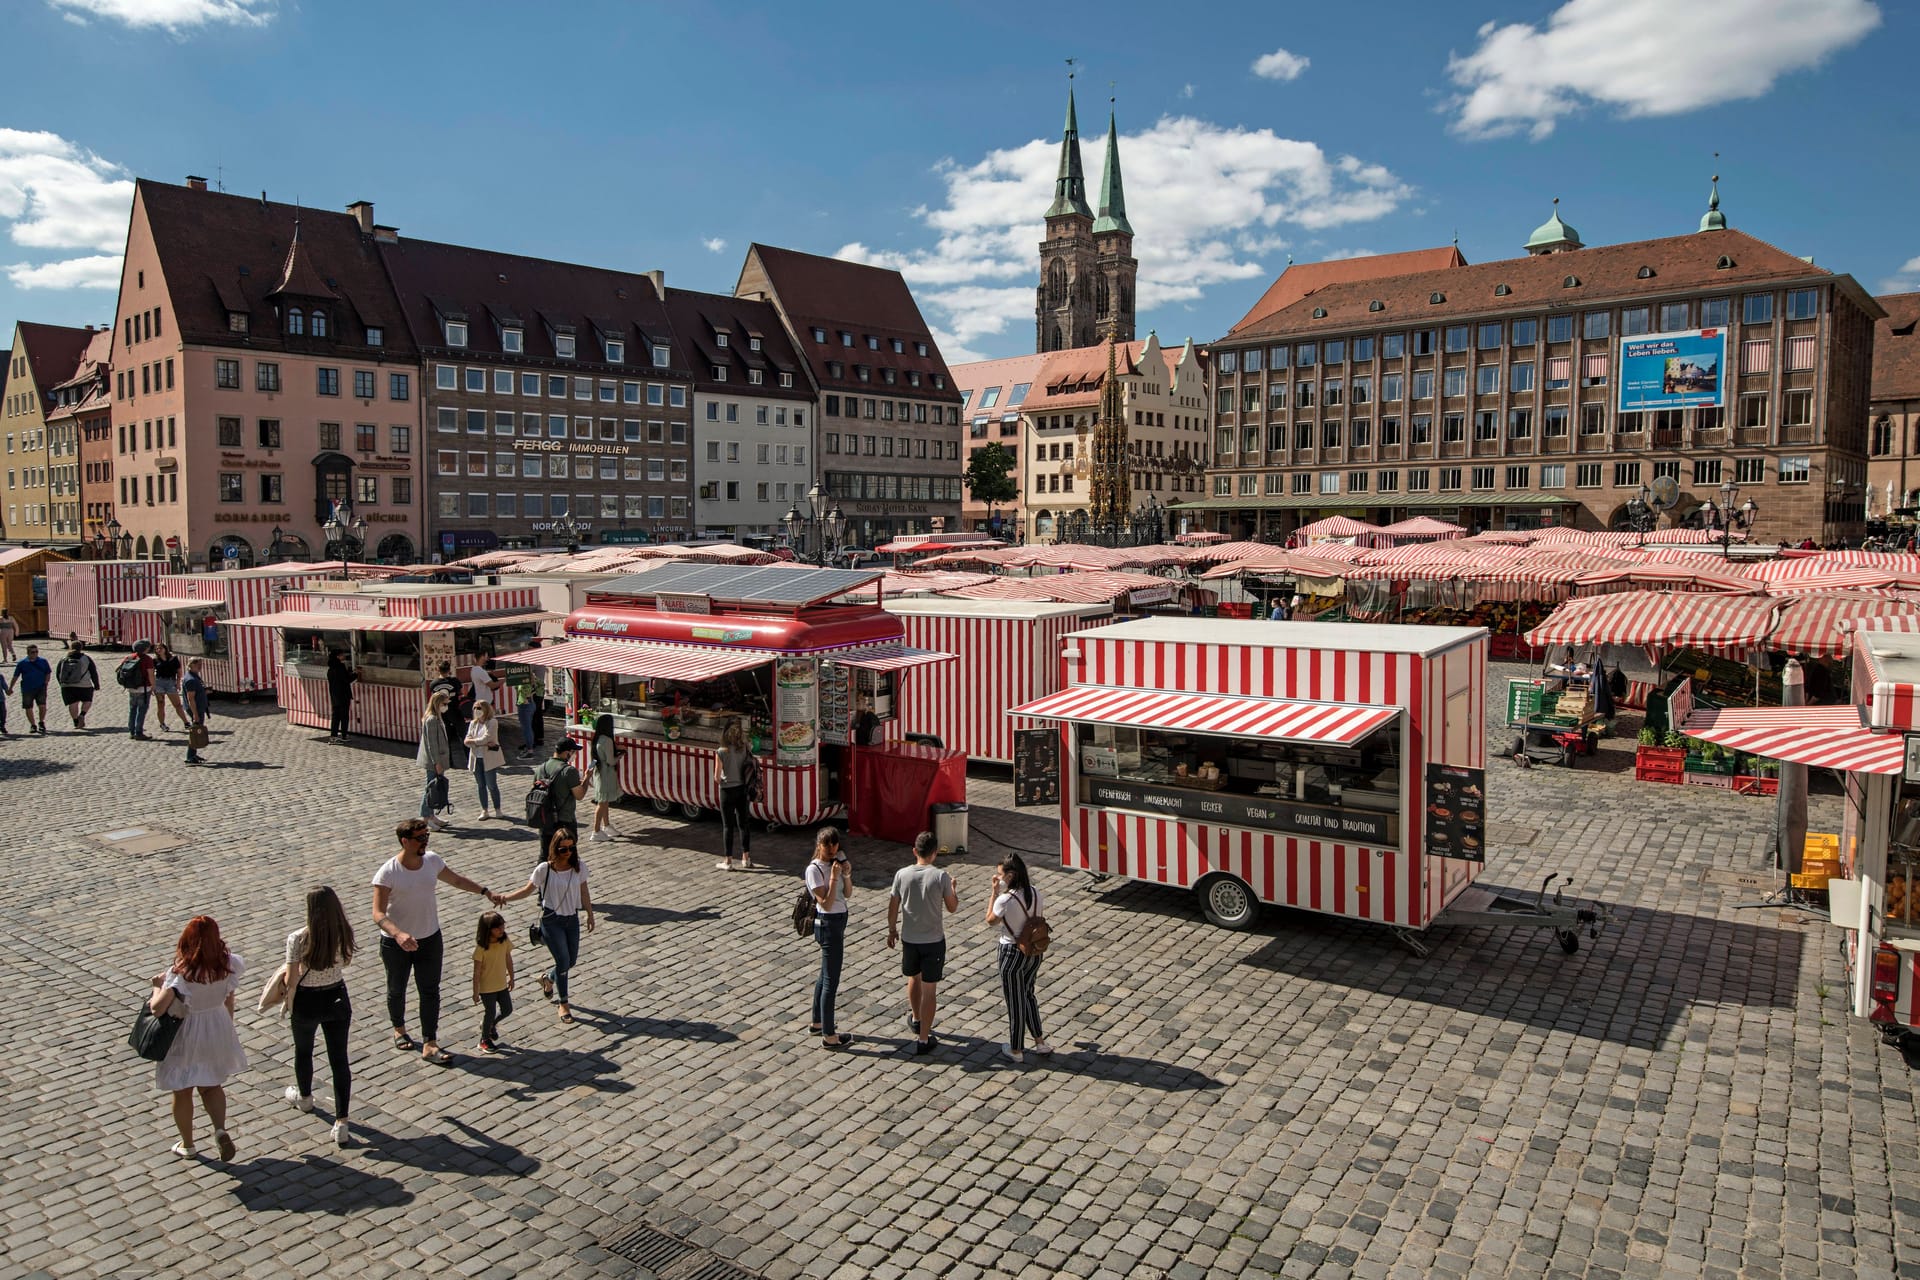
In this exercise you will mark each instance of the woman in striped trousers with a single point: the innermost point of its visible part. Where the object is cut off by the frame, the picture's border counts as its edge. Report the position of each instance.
(1012, 900)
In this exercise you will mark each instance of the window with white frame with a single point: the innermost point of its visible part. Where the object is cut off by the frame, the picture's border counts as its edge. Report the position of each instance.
(1795, 468)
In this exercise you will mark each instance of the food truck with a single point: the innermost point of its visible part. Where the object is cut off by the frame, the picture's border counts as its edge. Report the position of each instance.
(190, 613)
(1332, 767)
(81, 595)
(676, 654)
(396, 634)
(1006, 652)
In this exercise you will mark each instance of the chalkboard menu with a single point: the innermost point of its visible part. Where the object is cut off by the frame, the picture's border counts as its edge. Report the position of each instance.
(1036, 766)
(1456, 800)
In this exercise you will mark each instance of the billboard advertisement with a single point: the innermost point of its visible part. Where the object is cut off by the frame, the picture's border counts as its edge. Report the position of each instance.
(1672, 370)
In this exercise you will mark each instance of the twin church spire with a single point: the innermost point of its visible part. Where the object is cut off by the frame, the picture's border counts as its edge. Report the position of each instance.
(1087, 268)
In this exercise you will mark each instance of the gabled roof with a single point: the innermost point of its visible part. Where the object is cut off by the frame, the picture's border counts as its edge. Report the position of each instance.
(298, 278)
(1303, 278)
(698, 319)
(1599, 276)
(1896, 349)
(488, 289)
(94, 360)
(1074, 377)
(53, 352)
(223, 253)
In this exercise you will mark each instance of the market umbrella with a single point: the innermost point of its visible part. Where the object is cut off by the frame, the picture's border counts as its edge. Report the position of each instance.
(1666, 620)
(1818, 625)
(1671, 577)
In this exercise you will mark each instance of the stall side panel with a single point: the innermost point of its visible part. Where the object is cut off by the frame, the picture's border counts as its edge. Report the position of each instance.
(683, 775)
(384, 711)
(454, 603)
(256, 656)
(963, 702)
(130, 626)
(1456, 735)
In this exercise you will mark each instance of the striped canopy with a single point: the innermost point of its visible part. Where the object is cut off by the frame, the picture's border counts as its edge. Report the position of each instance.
(1335, 527)
(646, 659)
(1810, 626)
(1671, 577)
(1824, 737)
(1713, 623)
(1331, 722)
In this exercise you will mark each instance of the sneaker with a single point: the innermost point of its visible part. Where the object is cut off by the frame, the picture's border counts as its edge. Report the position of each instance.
(488, 1046)
(341, 1137)
(923, 1047)
(225, 1142)
(1012, 1054)
(439, 825)
(300, 1101)
(1041, 1047)
(913, 1024)
(185, 1151)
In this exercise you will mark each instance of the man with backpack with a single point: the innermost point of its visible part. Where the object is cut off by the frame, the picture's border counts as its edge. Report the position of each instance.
(916, 924)
(78, 678)
(557, 785)
(135, 675)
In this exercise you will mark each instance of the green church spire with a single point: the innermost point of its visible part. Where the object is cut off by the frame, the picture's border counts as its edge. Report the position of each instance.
(1070, 187)
(1113, 196)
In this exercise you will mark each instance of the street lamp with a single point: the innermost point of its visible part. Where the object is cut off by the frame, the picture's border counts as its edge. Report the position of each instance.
(344, 528)
(821, 522)
(122, 540)
(1731, 514)
(278, 547)
(1640, 515)
(569, 528)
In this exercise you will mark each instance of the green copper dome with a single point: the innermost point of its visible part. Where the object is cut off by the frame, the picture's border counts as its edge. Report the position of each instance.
(1713, 219)
(1553, 232)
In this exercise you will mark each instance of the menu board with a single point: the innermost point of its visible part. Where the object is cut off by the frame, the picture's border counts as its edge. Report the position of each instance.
(1267, 813)
(1036, 766)
(436, 647)
(1456, 800)
(836, 702)
(796, 708)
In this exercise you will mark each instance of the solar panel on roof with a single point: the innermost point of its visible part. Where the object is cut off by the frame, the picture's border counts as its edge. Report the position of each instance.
(745, 584)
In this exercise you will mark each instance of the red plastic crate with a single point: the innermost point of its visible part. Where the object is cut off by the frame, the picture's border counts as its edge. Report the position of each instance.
(1755, 785)
(1655, 773)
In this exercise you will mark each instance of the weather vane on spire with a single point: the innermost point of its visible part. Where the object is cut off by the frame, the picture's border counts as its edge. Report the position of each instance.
(1071, 64)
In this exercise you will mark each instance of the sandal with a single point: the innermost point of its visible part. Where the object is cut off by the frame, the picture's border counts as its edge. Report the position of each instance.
(566, 1014)
(401, 1040)
(836, 1042)
(185, 1151)
(439, 1058)
(225, 1142)
(546, 987)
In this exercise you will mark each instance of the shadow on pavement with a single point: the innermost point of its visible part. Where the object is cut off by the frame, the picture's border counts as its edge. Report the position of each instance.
(238, 764)
(974, 1055)
(623, 1028)
(621, 913)
(479, 1157)
(532, 1073)
(30, 767)
(314, 1185)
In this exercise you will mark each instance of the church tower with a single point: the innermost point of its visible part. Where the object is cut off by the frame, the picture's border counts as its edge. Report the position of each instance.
(1063, 303)
(1115, 266)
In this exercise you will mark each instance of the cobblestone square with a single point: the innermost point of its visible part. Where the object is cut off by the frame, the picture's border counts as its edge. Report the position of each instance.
(1683, 1096)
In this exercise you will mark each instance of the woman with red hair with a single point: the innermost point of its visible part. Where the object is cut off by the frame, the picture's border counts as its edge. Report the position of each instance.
(206, 1051)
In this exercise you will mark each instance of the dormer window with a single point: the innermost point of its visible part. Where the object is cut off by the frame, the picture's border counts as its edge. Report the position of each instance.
(513, 341)
(376, 336)
(720, 339)
(719, 373)
(920, 348)
(662, 355)
(846, 339)
(456, 332)
(940, 381)
(753, 344)
(754, 376)
(616, 351)
(236, 322)
(563, 345)
(1435, 298)
(1502, 290)
(319, 324)
(786, 380)
(819, 334)
(873, 343)
(296, 322)
(913, 377)
(899, 347)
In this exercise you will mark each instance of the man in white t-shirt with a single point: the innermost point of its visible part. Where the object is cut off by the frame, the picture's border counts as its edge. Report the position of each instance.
(407, 913)
(481, 677)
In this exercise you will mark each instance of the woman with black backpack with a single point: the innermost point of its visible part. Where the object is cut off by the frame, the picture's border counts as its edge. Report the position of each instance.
(1011, 903)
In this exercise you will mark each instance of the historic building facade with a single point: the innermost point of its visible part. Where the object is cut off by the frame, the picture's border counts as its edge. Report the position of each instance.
(1514, 393)
(1087, 269)
(42, 490)
(1893, 417)
(79, 429)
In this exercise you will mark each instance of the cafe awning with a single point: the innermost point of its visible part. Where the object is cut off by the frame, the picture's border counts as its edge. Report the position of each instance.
(308, 620)
(641, 658)
(163, 604)
(889, 657)
(1339, 723)
(1824, 737)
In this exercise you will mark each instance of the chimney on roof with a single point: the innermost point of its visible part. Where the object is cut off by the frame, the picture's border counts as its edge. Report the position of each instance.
(386, 235)
(196, 183)
(659, 279)
(362, 211)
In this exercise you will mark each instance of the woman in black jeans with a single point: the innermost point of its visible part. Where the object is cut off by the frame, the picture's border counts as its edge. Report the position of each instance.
(317, 957)
(730, 771)
(829, 877)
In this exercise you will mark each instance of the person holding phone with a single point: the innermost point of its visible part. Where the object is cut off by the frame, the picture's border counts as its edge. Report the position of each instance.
(830, 880)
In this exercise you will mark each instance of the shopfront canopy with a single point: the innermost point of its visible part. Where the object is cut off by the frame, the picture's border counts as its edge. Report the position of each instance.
(889, 657)
(1811, 626)
(647, 660)
(164, 604)
(1824, 737)
(1712, 623)
(306, 620)
(1338, 723)
(1671, 577)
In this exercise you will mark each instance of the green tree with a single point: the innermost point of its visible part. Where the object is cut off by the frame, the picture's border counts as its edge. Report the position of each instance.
(988, 474)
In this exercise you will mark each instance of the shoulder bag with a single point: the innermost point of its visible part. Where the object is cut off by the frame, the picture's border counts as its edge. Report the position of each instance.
(534, 935)
(153, 1033)
(1035, 934)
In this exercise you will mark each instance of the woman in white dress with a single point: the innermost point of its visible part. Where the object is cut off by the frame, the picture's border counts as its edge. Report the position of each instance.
(206, 1051)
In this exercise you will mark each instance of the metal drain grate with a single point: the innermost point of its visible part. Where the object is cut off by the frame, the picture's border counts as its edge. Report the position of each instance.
(671, 1258)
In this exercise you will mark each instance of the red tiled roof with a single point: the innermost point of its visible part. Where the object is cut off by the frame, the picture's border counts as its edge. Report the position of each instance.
(836, 295)
(1073, 378)
(698, 319)
(1606, 273)
(1303, 278)
(222, 251)
(94, 360)
(1006, 374)
(53, 352)
(1896, 348)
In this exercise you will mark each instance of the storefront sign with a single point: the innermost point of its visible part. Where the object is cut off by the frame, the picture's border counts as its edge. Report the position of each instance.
(796, 705)
(723, 635)
(360, 606)
(548, 526)
(1036, 766)
(1456, 800)
(1150, 595)
(1265, 813)
(668, 603)
(570, 446)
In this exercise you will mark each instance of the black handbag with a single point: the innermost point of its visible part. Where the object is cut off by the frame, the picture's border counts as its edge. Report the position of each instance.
(534, 935)
(153, 1033)
(438, 798)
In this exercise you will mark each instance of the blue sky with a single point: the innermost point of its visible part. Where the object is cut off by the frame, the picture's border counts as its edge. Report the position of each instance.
(924, 135)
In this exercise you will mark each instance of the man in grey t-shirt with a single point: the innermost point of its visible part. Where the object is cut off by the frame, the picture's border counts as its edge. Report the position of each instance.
(922, 893)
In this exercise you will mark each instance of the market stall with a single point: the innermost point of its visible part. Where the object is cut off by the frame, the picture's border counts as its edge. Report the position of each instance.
(677, 654)
(1007, 651)
(396, 634)
(23, 585)
(190, 613)
(1331, 767)
(81, 595)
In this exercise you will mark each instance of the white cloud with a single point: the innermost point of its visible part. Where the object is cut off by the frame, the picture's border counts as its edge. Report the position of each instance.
(1642, 57)
(715, 245)
(1904, 280)
(59, 196)
(1204, 199)
(1280, 65)
(175, 16)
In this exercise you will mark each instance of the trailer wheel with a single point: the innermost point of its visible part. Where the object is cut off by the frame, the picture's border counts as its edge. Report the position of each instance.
(1569, 940)
(661, 807)
(1568, 755)
(1228, 902)
(692, 812)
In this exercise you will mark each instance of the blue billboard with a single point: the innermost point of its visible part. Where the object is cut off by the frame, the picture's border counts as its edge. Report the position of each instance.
(1672, 370)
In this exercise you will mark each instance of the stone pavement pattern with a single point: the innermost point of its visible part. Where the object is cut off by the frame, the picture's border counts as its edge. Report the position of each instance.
(1684, 1096)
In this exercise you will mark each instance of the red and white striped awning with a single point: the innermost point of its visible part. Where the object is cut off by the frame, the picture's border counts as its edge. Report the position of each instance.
(641, 658)
(1341, 723)
(1708, 621)
(1810, 625)
(889, 657)
(310, 620)
(1824, 737)
(162, 604)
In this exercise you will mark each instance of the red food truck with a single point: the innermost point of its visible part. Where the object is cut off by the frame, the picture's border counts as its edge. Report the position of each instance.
(1332, 767)
(678, 653)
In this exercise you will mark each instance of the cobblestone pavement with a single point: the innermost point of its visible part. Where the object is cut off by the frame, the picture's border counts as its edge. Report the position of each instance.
(1684, 1096)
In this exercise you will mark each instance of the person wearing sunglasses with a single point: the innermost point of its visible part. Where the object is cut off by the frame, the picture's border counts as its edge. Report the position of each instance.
(561, 882)
(407, 914)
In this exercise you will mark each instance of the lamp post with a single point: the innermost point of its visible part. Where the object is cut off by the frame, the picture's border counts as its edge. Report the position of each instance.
(1732, 514)
(568, 529)
(278, 547)
(1640, 513)
(822, 521)
(122, 540)
(344, 528)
